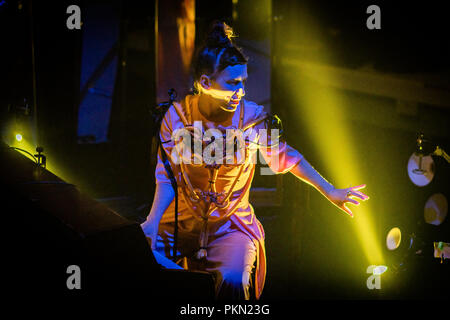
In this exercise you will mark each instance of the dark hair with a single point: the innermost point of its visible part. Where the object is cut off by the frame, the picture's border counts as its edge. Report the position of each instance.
(218, 52)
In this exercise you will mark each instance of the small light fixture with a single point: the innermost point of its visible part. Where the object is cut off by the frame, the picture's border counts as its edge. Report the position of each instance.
(435, 209)
(393, 238)
(420, 169)
(19, 137)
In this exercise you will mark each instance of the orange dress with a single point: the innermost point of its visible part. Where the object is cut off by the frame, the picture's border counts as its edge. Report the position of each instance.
(231, 182)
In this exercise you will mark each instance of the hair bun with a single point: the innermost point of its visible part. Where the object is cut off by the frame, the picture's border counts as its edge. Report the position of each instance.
(220, 35)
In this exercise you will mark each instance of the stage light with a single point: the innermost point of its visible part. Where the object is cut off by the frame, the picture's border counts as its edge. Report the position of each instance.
(51, 165)
(393, 238)
(23, 143)
(412, 241)
(420, 169)
(441, 250)
(409, 245)
(435, 210)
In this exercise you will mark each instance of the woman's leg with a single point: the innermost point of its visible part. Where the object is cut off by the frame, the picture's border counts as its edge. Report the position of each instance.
(231, 254)
(187, 242)
(231, 258)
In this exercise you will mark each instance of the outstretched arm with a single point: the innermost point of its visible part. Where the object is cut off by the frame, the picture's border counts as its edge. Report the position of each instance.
(339, 197)
(282, 158)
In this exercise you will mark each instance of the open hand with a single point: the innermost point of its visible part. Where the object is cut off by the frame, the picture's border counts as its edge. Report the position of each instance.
(340, 197)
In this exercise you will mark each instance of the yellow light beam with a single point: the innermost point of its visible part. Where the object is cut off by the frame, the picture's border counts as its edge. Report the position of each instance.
(321, 112)
(51, 166)
(323, 117)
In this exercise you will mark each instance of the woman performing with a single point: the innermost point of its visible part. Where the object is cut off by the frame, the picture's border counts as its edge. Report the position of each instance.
(217, 230)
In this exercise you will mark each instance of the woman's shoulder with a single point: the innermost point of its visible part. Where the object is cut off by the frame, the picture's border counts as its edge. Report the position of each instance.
(252, 106)
(253, 110)
(179, 111)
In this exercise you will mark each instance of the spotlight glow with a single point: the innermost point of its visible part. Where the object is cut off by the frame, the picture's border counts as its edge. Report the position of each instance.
(52, 165)
(19, 137)
(322, 113)
(393, 238)
(379, 270)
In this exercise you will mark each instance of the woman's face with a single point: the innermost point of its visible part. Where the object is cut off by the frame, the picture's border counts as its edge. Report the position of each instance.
(228, 87)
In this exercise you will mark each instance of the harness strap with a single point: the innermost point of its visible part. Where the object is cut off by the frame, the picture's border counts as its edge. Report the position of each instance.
(185, 116)
(186, 180)
(174, 184)
(180, 113)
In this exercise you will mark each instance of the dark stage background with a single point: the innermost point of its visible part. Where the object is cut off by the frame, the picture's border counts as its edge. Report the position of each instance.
(314, 63)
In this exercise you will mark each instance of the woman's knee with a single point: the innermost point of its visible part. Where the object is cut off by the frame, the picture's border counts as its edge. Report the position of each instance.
(238, 278)
(234, 285)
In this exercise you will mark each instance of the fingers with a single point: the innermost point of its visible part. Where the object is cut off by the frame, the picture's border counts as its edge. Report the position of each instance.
(358, 194)
(362, 186)
(347, 210)
(361, 195)
(152, 241)
(353, 192)
(352, 201)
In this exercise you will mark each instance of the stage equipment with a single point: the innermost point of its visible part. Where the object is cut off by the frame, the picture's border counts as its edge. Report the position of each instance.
(439, 152)
(441, 250)
(435, 210)
(412, 247)
(16, 125)
(415, 247)
(41, 159)
(406, 245)
(421, 167)
(56, 225)
(393, 238)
